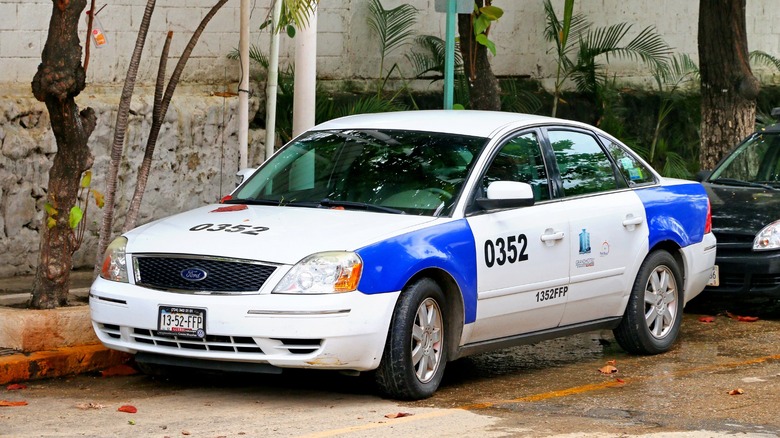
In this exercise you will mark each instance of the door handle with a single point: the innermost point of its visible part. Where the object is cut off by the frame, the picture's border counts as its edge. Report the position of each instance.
(632, 221)
(550, 236)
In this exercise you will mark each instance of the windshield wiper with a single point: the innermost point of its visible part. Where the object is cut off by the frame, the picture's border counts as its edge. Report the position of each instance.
(741, 183)
(274, 202)
(359, 206)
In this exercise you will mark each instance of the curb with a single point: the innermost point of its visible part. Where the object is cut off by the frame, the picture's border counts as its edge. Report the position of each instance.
(60, 362)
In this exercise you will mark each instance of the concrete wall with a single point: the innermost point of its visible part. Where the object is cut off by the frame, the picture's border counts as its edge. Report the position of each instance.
(196, 154)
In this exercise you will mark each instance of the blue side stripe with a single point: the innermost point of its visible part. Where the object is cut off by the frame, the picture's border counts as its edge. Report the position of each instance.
(389, 264)
(675, 212)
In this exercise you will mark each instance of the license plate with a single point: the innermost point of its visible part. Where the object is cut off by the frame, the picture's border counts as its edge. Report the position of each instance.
(182, 321)
(714, 277)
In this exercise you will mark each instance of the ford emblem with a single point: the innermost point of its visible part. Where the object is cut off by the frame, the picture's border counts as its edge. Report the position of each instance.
(194, 274)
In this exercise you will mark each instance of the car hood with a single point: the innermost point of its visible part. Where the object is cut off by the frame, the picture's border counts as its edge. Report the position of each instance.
(742, 210)
(273, 234)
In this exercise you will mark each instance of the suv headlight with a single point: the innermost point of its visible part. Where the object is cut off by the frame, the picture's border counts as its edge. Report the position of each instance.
(323, 273)
(768, 238)
(115, 261)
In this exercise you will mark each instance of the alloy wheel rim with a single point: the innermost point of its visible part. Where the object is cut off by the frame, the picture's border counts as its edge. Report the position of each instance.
(427, 340)
(661, 304)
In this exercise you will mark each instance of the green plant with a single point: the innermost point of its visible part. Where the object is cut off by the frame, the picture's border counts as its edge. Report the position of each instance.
(394, 28)
(593, 45)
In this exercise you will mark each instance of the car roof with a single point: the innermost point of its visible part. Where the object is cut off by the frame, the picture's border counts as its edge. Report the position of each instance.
(463, 122)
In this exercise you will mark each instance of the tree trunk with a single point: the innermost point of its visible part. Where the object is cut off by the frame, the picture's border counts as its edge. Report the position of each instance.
(60, 78)
(728, 87)
(484, 90)
(160, 108)
(120, 128)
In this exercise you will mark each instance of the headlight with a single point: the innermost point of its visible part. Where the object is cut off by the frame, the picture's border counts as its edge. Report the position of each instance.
(768, 238)
(115, 262)
(323, 273)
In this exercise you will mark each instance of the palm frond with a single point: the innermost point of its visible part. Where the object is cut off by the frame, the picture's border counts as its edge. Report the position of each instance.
(393, 26)
(759, 57)
(431, 58)
(675, 166)
(519, 101)
(296, 12)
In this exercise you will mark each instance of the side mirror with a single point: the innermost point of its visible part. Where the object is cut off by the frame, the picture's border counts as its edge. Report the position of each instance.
(243, 174)
(507, 194)
(702, 175)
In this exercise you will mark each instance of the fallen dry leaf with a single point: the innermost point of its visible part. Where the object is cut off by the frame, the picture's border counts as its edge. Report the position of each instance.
(90, 405)
(399, 415)
(185, 432)
(707, 319)
(737, 391)
(119, 370)
(742, 318)
(608, 369)
(128, 408)
(12, 403)
(747, 318)
(612, 362)
(16, 386)
(619, 380)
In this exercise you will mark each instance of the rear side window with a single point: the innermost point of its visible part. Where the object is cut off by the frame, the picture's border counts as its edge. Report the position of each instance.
(633, 171)
(584, 167)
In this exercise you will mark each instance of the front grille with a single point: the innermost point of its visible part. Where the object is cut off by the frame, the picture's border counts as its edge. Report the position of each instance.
(235, 344)
(222, 275)
(239, 345)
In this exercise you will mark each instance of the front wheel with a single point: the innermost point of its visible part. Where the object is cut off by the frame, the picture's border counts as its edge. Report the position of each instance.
(414, 358)
(654, 312)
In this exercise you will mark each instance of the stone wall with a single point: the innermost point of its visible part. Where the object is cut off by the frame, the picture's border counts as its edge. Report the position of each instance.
(194, 164)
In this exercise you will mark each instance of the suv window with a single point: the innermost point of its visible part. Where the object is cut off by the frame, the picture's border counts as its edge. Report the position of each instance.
(520, 160)
(585, 168)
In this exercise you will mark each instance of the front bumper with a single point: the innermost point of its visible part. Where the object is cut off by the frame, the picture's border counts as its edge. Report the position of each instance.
(334, 331)
(748, 272)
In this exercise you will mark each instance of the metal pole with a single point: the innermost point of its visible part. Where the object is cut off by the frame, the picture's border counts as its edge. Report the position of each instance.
(243, 87)
(449, 56)
(273, 83)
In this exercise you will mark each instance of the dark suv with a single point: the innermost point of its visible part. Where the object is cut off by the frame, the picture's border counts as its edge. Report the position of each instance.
(744, 191)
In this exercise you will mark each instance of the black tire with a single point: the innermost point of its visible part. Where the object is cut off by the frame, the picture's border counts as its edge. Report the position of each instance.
(654, 311)
(412, 365)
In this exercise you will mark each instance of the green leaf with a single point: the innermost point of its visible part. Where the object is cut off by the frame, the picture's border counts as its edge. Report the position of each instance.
(482, 39)
(458, 106)
(291, 31)
(86, 180)
(50, 223)
(50, 210)
(492, 12)
(481, 24)
(75, 216)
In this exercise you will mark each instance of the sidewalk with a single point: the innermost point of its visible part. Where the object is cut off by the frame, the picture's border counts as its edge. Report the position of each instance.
(37, 344)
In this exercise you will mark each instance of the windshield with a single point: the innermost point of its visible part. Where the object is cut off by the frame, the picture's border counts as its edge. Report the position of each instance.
(754, 162)
(397, 171)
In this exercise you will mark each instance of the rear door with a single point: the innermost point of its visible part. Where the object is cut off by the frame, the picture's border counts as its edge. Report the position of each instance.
(608, 226)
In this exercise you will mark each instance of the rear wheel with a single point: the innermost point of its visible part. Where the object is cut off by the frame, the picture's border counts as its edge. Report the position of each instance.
(415, 356)
(654, 312)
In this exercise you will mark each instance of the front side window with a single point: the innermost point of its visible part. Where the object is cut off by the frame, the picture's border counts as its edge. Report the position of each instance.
(520, 159)
(583, 165)
(757, 160)
(379, 170)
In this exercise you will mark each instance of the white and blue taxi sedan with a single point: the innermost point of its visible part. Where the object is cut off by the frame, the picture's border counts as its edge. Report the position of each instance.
(397, 242)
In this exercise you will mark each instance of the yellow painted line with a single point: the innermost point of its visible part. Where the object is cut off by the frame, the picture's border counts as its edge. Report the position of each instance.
(536, 397)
